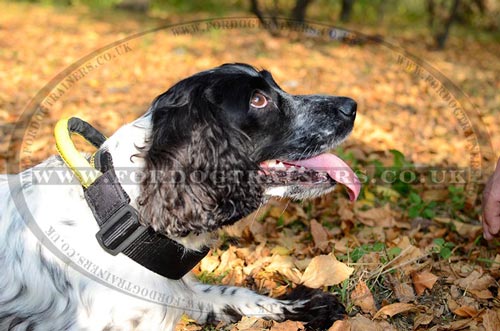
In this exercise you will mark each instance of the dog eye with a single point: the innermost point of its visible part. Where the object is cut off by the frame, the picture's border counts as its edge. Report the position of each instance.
(259, 100)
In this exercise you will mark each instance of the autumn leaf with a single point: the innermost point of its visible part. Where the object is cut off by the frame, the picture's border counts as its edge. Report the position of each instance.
(491, 320)
(325, 270)
(477, 283)
(422, 319)
(285, 266)
(250, 324)
(362, 323)
(209, 263)
(319, 234)
(423, 280)
(466, 311)
(341, 325)
(287, 326)
(362, 297)
(394, 309)
(403, 291)
(382, 216)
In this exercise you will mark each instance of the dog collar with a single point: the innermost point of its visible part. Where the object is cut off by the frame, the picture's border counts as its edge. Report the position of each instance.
(120, 229)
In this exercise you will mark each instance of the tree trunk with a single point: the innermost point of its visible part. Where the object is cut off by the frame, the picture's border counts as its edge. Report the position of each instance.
(442, 36)
(431, 10)
(269, 25)
(299, 10)
(345, 13)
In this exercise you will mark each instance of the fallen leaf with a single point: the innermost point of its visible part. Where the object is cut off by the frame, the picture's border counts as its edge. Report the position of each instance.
(370, 261)
(422, 319)
(403, 291)
(461, 324)
(287, 326)
(491, 320)
(280, 250)
(341, 325)
(482, 294)
(250, 324)
(319, 234)
(463, 229)
(409, 254)
(362, 323)
(362, 297)
(285, 266)
(475, 281)
(228, 261)
(466, 311)
(325, 270)
(423, 280)
(382, 216)
(394, 309)
(209, 263)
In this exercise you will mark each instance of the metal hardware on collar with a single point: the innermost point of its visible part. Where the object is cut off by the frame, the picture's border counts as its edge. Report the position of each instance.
(120, 230)
(119, 222)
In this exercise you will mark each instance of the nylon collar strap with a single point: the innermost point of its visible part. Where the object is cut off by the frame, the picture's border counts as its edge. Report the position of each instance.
(120, 229)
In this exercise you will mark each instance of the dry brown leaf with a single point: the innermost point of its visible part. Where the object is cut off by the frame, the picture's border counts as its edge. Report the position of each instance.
(423, 280)
(482, 294)
(461, 324)
(228, 261)
(452, 303)
(362, 297)
(491, 320)
(370, 261)
(280, 250)
(209, 263)
(325, 270)
(463, 229)
(285, 266)
(319, 234)
(403, 291)
(422, 319)
(435, 195)
(287, 326)
(251, 324)
(475, 281)
(394, 309)
(346, 214)
(341, 325)
(382, 216)
(466, 311)
(407, 258)
(362, 323)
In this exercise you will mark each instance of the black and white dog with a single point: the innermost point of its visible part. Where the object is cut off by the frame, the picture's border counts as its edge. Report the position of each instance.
(232, 119)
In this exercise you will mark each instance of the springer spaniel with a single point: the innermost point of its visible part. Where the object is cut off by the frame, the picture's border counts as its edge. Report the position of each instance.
(209, 151)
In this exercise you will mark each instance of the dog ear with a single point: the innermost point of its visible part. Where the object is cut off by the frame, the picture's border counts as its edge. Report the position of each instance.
(198, 173)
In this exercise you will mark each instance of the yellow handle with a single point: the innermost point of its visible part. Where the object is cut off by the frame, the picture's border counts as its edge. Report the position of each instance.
(82, 169)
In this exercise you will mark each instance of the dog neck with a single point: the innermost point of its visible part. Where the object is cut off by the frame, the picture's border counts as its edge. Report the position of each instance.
(125, 147)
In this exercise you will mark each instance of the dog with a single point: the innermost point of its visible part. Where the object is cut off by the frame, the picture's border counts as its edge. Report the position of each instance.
(233, 121)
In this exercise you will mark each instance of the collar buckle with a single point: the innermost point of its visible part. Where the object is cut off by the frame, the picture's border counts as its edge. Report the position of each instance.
(120, 230)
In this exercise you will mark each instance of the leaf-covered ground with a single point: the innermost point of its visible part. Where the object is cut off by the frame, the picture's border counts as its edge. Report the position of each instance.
(406, 256)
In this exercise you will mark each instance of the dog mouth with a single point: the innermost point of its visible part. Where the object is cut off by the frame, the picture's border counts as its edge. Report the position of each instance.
(323, 169)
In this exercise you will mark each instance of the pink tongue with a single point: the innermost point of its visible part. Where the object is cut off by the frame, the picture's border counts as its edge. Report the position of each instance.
(336, 168)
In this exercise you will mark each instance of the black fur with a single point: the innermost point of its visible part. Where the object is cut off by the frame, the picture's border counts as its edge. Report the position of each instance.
(320, 310)
(205, 125)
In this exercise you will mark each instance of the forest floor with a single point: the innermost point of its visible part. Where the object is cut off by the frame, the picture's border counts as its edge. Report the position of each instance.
(408, 255)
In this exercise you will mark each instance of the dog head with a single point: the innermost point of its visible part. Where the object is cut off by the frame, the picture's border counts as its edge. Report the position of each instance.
(224, 139)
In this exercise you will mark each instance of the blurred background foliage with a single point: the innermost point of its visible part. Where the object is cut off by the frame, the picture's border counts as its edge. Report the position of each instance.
(435, 17)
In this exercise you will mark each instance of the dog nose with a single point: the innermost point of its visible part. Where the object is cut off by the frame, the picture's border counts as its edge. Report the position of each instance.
(348, 106)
